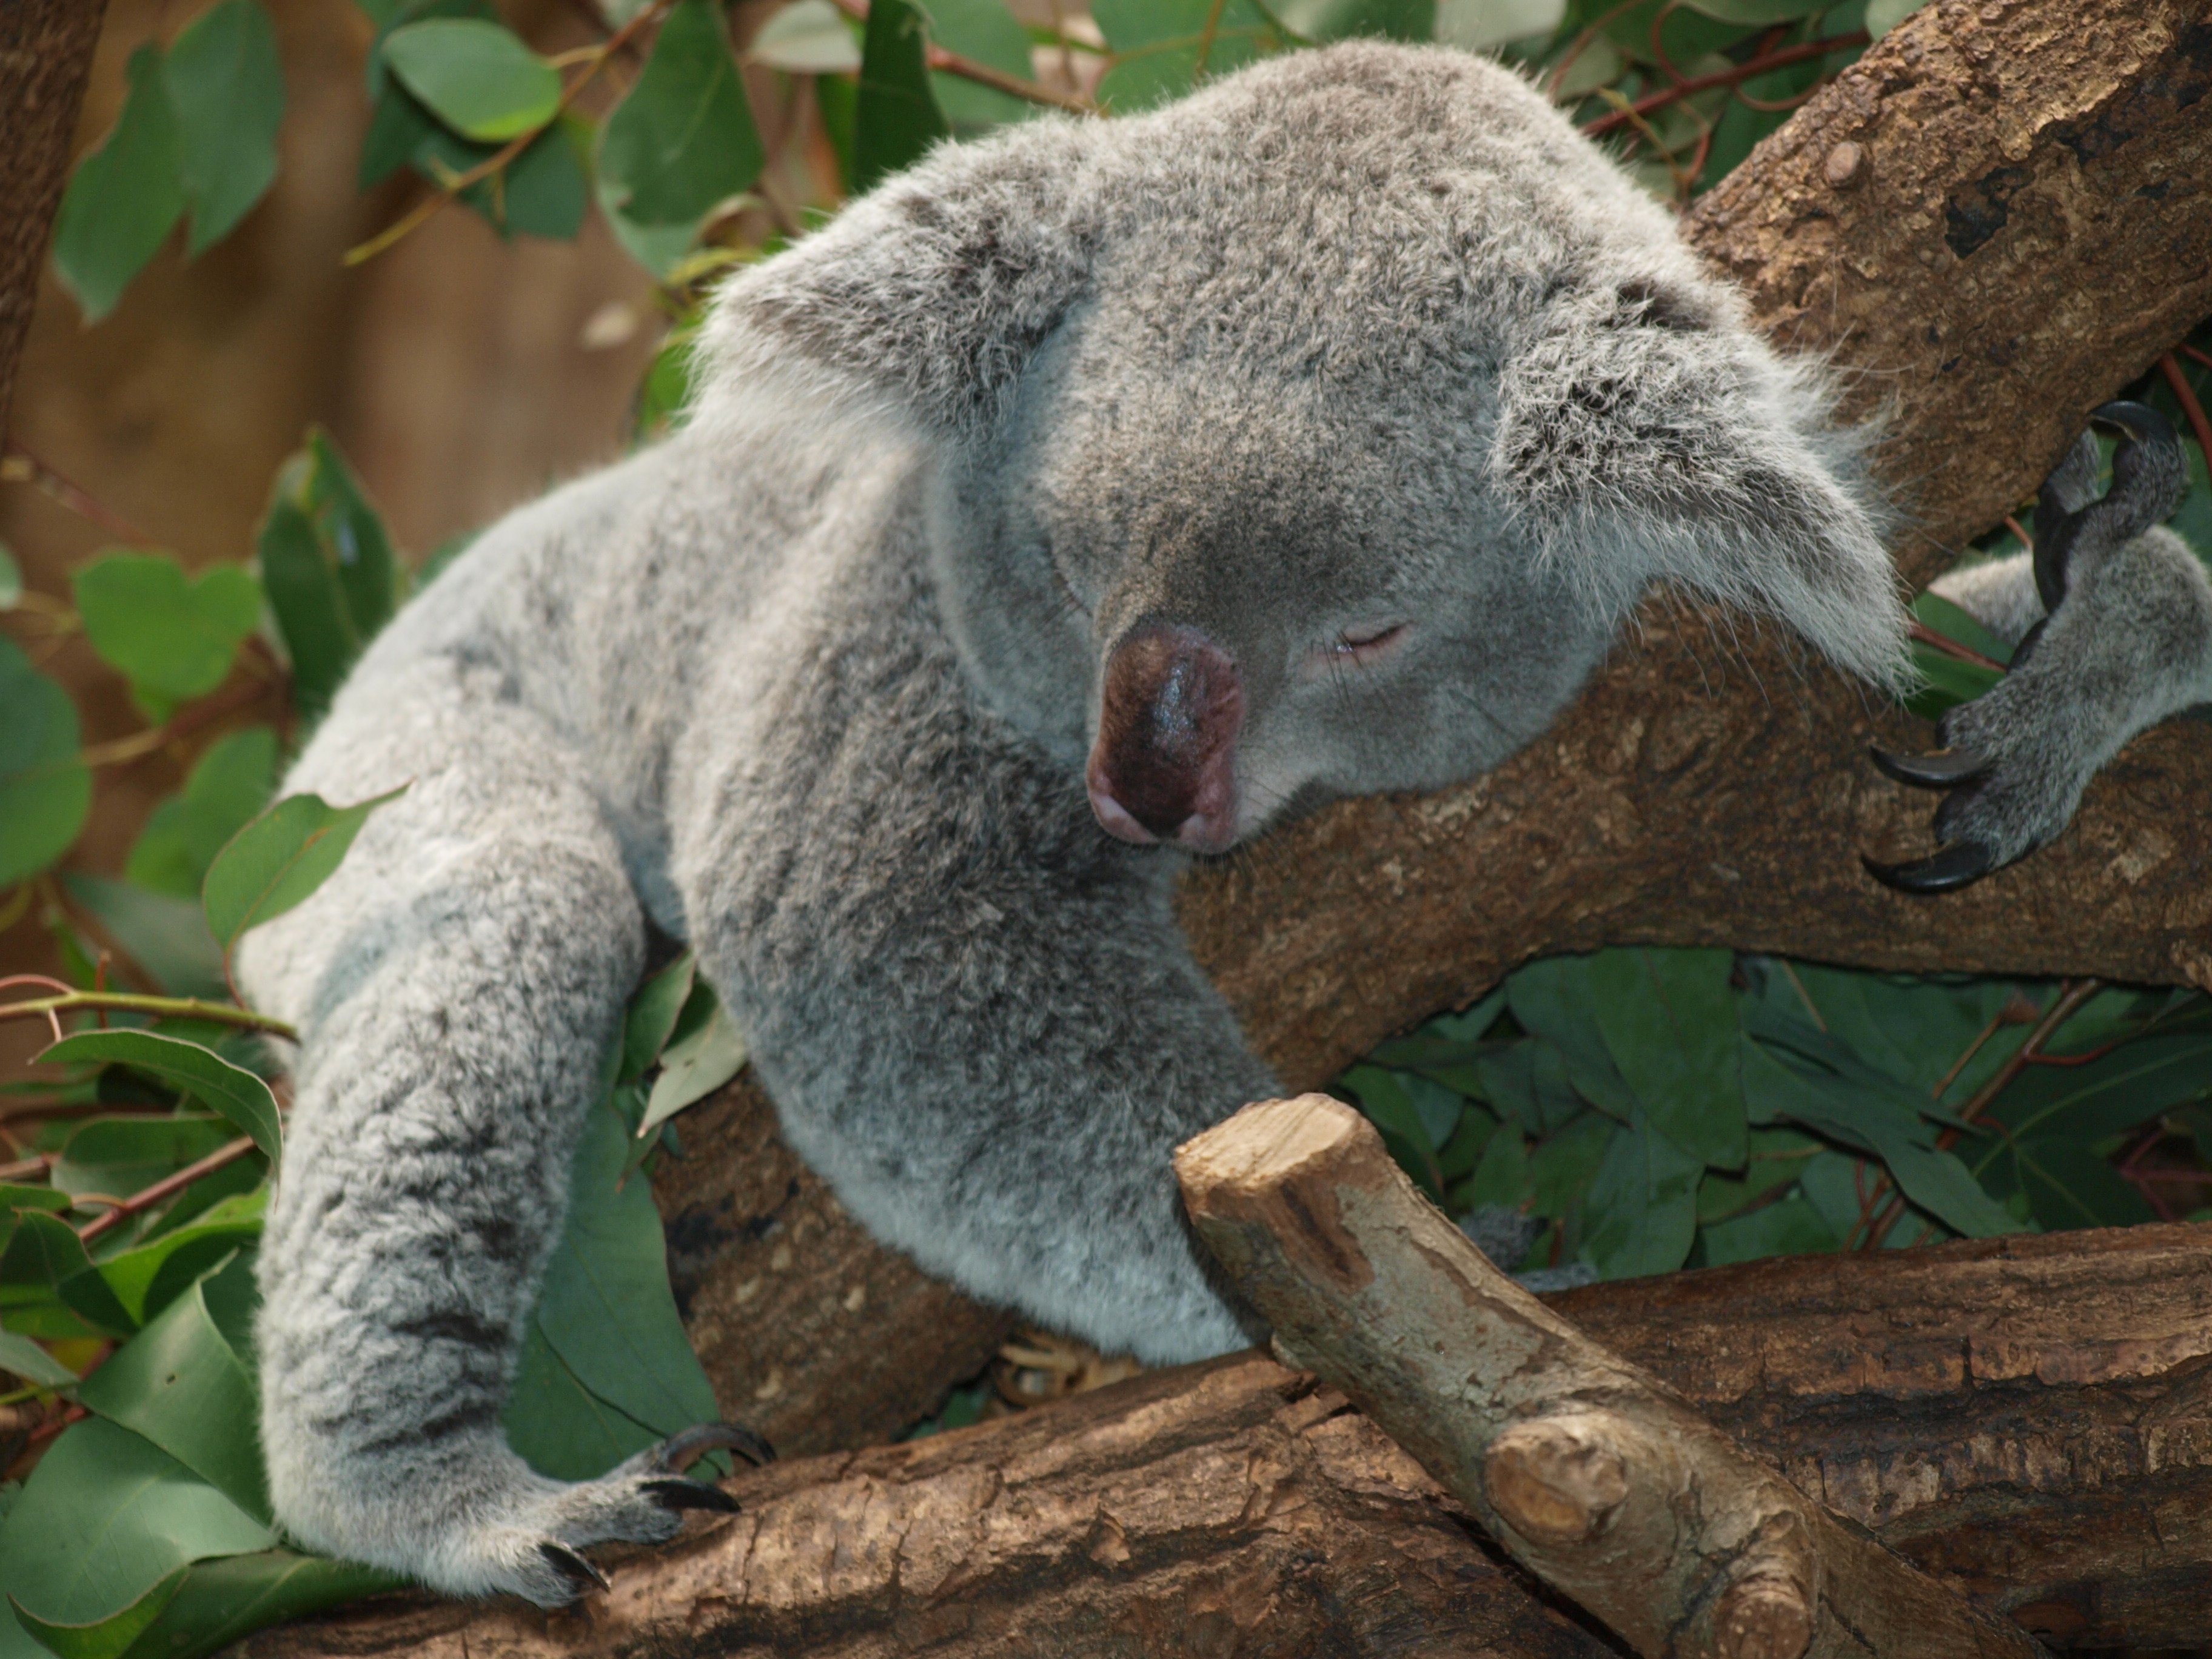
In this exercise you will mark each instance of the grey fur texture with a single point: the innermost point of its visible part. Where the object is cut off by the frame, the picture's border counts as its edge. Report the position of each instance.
(1361, 361)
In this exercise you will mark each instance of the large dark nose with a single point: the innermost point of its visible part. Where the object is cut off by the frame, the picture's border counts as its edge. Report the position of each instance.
(1164, 766)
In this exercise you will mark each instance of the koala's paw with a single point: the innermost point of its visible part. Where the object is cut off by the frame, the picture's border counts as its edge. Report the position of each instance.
(2014, 771)
(535, 1554)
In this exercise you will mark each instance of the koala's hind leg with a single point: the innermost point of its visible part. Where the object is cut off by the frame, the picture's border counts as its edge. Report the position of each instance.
(455, 984)
(2112, 618)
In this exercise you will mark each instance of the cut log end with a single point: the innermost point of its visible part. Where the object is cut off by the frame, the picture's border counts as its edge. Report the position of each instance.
(1556, 1480)
(1271, 1142)
(1763, 1618)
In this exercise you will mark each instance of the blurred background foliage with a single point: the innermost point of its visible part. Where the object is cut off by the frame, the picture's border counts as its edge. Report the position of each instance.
(334, 284)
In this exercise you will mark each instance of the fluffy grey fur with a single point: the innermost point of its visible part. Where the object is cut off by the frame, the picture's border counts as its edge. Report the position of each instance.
(1359, 340)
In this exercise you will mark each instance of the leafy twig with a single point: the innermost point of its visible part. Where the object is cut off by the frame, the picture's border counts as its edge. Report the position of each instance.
(1781, 59)
(951, 62)
(221, 1157)
(449, 189)
(223, 1013)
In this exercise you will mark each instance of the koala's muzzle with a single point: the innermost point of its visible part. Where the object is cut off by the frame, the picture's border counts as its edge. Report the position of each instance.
(1164, 766)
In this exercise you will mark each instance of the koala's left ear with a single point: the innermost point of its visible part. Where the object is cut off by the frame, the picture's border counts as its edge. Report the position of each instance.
(923, 300)
(1645, 432)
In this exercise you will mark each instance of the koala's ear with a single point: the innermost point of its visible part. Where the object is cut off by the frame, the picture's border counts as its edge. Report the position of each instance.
(1645, 432)
(922, 301)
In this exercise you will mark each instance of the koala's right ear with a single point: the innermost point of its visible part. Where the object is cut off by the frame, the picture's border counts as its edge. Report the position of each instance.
(922, 301)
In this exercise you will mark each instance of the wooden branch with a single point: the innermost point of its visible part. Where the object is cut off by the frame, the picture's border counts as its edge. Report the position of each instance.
(1589, 1471)
(2025, 1420)
(45, 56)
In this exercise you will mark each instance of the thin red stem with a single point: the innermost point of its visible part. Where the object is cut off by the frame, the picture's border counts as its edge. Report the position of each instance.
(166, 1187)
(2190, 406)
(1728, 77)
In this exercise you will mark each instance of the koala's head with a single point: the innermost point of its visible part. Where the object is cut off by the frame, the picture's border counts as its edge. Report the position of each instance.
(1312, 435)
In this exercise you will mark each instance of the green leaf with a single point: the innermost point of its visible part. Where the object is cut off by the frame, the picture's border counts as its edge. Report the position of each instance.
(476, 77)
(46, 1251)
(985, 31)
(2066, 1183)
(1383, 1097)
(147, 1280)
(180, 1384)
(684, 139)
(653, 1012)
(692, 1068)
(1529, 1079)
(811, 37)
(2119, 1092)
(199, 1072)
(1789, 1226)
(1340, 19)
(226, 86)
(1883, 15)
(327, 564)
(560, 1427)
(1502, 1177)
(125, 196)
(605, 1306)
(103, 1638)
(173, 637)
(1555, 999)
(1643, 1205)
(1754, 12)
(898, 119)
(1668, 1019)
(1561, 1169)
(228, 786)
(120, 1155)
(229, 1598)
(106, 1515)
(1162, 48)
(1955, 623)
(279, 859)
(11, 580)
(165, 937)
(399, 125)
(44, 790)
(20, 1357)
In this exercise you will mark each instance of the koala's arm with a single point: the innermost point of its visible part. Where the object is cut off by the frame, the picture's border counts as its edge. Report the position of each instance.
(976, 1014)
(2129, 645)
(455, 984)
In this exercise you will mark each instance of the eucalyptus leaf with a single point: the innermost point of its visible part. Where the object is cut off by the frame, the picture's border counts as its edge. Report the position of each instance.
(1668, 1019)
(279, 859)
(984, 32)
(327, 567)
(225, 84)
(45, 791)
(104, 1517)
(898, 119)
(1555, 999)
(22, 1358)
(166, 936)
(477, 76)
(230, 1597)
(684, 139)
(173, 636)
(1789, 1227)
(102, 1638)
(125, 196)
(45, 1250)
(653, 1012)
(1642, 1204)
(179, 1383)
(121, 1155)
(200, 1072)
(692, 1068)
(810, 37)
(227, 787)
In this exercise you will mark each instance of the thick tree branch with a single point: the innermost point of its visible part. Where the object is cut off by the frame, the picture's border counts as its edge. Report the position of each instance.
(2024, 1419)
(46, 55)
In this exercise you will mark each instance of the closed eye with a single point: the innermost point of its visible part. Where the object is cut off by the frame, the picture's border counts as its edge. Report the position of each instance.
(1363, 646)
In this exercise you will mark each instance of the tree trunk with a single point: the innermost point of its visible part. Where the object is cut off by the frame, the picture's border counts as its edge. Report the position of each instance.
(45, 53)
(2024, 225)
(2024, 1419)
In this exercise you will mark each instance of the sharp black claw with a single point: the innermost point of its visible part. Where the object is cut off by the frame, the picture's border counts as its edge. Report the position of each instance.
(679, 1452)
(580, 1575)
(1941, 770)
(675, 1492)
(1945, 871)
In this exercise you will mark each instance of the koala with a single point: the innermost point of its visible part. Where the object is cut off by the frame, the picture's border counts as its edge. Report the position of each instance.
(1079, 501)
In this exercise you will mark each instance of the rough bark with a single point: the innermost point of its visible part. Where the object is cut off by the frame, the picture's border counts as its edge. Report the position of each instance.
(1587, 1469)
(2026, 224)
(46, 54)
(2029, 1420)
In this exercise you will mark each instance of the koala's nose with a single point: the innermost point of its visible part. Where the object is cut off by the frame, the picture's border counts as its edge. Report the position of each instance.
(1164, 766)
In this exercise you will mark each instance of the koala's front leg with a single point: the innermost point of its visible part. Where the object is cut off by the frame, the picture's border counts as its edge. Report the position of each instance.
(989, 1036)
(2112, 615)
(455, 984)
